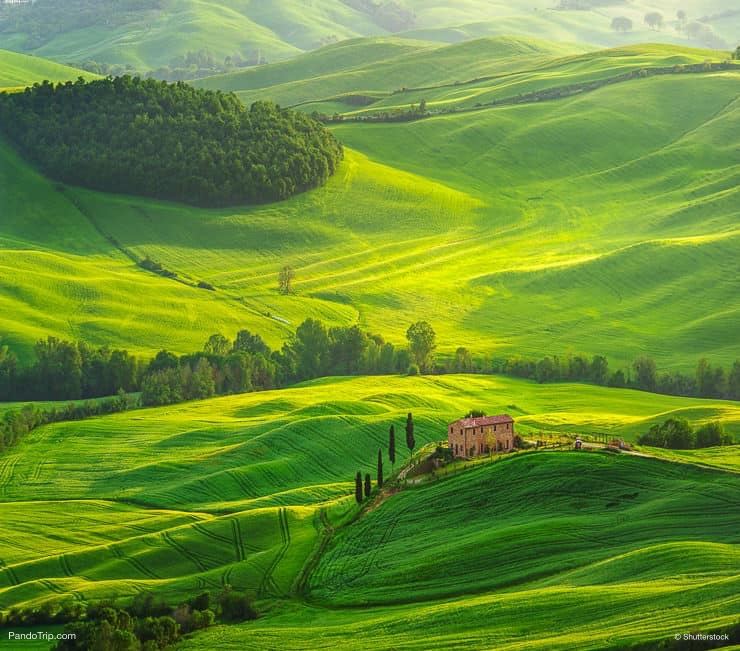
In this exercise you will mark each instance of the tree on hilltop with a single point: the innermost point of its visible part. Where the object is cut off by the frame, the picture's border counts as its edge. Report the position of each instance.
(380, 468)
(621, 24)
(368, 485)
(654, 20)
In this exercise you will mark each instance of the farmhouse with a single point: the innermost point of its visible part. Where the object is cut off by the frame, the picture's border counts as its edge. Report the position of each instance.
(468, 437)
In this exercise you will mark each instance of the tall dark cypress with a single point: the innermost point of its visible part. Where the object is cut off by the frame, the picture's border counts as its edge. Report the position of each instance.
(358, 487)
(392, 445)
(410, 442)
(368, 485)
(380, 468)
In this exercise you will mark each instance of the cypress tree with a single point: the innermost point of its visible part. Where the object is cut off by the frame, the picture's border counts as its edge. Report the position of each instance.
(392, 445)
(380, 468)
(368, 484)
(410, 442)
(358, 487)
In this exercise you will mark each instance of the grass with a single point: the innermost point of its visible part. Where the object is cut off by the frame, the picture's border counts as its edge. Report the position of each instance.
(473, 221)
(228, 490)
(19, 70)
(283, 29)
(385, 65)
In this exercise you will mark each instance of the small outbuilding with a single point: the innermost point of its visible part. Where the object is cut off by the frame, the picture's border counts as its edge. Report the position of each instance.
(470, 437)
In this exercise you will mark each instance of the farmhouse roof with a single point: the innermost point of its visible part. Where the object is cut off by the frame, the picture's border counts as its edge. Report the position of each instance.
(483, 421)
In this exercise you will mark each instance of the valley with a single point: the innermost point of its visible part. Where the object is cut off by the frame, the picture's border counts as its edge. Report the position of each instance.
(519, 219)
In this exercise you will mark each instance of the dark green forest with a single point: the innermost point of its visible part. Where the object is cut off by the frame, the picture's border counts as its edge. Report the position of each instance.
(168, 141)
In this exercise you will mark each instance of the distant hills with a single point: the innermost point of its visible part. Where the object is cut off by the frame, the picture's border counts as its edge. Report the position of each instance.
(182, 38)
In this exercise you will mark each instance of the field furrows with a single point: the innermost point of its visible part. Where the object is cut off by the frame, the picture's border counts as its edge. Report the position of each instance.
(9, 573)
(139, 566)
(268, 583)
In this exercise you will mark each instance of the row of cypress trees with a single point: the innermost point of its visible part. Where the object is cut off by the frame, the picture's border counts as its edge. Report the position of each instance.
(363, 489)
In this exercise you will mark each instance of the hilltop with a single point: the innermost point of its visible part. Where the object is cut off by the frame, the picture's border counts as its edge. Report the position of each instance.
(240, 490)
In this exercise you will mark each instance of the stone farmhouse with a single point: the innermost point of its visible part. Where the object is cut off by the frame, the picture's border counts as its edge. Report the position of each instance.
(469, 437)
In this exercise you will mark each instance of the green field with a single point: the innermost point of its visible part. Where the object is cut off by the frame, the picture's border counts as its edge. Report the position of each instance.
(601, 223)
(474, 221)
(230, 490)
(20, 70)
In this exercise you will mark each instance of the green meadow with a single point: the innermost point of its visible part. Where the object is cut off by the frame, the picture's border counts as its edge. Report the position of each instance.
(474, 221)
(20, 70)
(239, 490)
(602, 223)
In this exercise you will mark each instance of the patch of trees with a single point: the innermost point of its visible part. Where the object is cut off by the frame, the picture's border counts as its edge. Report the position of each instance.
(146, 623)
(66, 370)
(156, 267)
(168, 141)
(677, 434)
(184, 67)
(708, 381)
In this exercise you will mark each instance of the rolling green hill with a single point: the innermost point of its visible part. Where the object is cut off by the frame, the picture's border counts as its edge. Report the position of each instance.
(231, 490)
(372, 66)
(20, 70)
(148, 35)
(477, 221)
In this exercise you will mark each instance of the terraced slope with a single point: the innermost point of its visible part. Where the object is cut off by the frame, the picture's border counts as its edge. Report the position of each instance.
(228, 490)
(20, 70)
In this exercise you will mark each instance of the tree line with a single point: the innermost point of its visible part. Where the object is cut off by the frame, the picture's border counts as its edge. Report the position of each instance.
(65, 370)
(707, 382)
(146, 623)
(677, 434)
(168, 141)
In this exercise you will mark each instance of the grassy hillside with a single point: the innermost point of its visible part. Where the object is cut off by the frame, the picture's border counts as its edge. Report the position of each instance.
(20, 70)
(152, 36)
(372, 66)
(228, 490)
(475, 221)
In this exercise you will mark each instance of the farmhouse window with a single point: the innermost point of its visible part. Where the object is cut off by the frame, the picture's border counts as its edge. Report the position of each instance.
(494, 428)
